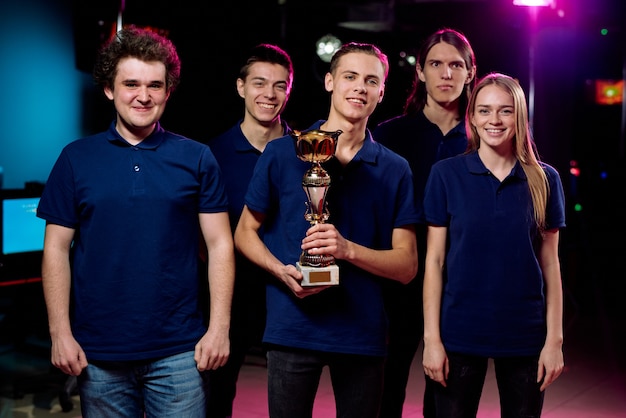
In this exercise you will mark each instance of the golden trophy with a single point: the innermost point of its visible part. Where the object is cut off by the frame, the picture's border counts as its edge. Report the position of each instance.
(316, 146)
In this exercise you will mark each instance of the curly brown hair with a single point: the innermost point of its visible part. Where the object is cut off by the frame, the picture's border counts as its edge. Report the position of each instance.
(143, 44)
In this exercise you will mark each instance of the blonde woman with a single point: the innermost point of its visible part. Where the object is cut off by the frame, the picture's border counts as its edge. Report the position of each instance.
(492, 284)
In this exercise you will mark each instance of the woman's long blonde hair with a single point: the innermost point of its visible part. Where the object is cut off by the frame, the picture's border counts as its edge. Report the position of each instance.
(523, 144)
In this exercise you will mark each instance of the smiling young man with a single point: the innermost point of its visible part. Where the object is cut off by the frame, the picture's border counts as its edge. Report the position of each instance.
(124, 209)
(370, 234)
(264, 83)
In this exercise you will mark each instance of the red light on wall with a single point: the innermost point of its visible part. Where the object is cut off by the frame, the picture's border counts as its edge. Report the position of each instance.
(609, 92)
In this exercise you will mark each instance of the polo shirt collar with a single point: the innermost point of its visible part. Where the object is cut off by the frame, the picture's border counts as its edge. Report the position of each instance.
(476, 166)
(368, 151)
(242, 144)
(151, 142)
(459, 128)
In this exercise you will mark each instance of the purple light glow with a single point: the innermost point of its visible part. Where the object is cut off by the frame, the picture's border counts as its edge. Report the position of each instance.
(532, 2)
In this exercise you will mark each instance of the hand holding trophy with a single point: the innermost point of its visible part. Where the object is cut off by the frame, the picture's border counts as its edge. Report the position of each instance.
(316, 146)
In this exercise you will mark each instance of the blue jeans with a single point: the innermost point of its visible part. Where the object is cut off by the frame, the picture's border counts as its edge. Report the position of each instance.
(516, 377)
(165, 387)
(294, 377)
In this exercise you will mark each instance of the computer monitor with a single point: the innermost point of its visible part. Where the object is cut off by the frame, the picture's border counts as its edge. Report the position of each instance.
(21, 234)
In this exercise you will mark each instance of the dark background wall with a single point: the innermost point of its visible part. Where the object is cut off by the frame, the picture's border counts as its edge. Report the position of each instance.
(47, 51)
(568, 51)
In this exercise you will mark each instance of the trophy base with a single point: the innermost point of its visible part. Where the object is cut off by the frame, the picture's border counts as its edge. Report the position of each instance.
(319, 276)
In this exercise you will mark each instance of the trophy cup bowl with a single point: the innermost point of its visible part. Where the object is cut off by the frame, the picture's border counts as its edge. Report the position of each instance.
(316, 146)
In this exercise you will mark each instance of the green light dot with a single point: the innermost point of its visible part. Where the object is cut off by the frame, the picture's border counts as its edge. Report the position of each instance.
(604, 32)
(578, 207)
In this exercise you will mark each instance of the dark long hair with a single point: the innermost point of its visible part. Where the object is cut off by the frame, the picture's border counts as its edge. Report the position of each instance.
(417, 98)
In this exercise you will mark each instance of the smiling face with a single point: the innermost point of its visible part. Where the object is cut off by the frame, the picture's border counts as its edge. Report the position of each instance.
(139, 94)
(493, 117)
(265, 91)
(357, 86)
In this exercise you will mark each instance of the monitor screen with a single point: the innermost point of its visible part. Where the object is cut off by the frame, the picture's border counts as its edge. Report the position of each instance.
(21, 234)
(22, 230)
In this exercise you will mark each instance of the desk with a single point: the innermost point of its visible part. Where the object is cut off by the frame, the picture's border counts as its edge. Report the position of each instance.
(20, 281)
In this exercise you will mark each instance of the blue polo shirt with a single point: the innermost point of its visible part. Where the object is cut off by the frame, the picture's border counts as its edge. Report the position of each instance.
(367, 199)
(422, 143)
(135, 209)
(237, 158)
(493, 300)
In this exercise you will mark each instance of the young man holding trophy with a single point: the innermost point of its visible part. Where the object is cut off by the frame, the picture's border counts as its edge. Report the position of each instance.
(360, 211)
